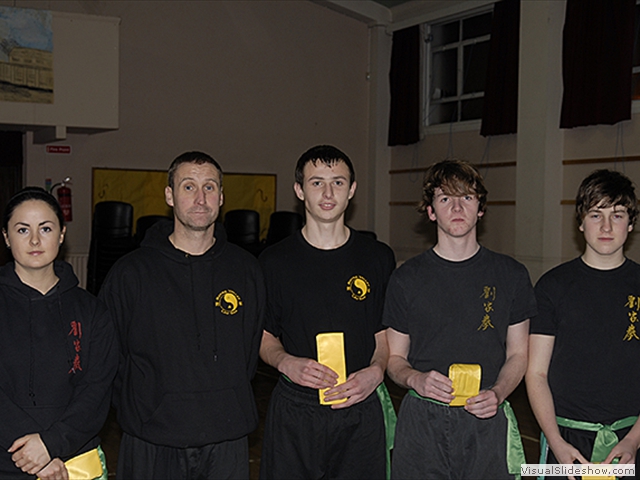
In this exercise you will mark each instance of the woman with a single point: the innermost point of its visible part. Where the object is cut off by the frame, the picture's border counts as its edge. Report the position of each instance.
(58, 356)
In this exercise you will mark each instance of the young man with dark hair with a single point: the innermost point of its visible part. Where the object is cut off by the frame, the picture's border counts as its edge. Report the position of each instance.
(325, 291)
(188, 310)
(583, 378)
(457, 307)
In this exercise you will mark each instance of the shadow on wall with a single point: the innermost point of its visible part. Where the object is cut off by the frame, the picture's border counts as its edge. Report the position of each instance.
(578, 239)
(427, 229)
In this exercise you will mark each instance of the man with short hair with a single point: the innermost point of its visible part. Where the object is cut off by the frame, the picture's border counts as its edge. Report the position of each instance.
(325, 282)
(583, 379)
(457, 304)
(188, 310)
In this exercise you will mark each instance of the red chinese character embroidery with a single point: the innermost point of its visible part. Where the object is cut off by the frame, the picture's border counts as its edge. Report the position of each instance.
(76, 365)
(76, 329)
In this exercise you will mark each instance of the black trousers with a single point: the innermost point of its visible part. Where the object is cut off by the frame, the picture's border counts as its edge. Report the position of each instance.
(140, 460)
(307, 441)
(439, 442)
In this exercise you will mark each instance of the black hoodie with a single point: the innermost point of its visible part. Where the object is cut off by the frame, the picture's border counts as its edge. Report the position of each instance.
(189, 329)
(58, 360)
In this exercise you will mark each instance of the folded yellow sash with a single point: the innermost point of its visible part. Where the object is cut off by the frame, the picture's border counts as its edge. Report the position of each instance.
(331, 354)
(466, 382)
(598, 477)
(86, 466)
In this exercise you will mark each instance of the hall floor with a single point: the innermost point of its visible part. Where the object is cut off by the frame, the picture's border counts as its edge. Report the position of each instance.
(263, 384)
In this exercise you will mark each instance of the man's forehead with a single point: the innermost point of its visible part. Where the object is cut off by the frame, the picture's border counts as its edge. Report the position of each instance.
(197, 171)
(320, 169)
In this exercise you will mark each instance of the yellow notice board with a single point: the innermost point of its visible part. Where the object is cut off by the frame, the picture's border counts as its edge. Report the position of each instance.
(253, 192)
(144, 189)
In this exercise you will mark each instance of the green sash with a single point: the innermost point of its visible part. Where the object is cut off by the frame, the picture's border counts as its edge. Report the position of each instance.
(515, 450)
(390, 420)
(103, 461)
(606, 437)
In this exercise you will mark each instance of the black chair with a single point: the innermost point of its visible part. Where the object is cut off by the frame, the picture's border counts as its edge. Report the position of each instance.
(283, 224)
(110, 239)
(113, 219)
(243, 229)
(144, 223)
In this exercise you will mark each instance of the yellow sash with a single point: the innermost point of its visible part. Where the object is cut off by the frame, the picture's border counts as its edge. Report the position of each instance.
(466, 382)
(331, 354)
(84, 467)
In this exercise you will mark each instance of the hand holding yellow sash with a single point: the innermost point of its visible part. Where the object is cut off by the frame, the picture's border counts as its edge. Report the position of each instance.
(466, 382)
(84, 467)
(331, 354)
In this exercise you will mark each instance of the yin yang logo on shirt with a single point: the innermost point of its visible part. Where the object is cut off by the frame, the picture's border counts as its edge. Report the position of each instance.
(359, 287)
(228, 302)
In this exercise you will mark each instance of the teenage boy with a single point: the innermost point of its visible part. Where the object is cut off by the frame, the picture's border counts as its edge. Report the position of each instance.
(188, 310)
(457, 303)
(325, 279)
(583, 378)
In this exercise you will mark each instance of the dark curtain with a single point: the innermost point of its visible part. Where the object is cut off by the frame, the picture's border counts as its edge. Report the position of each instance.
(404, 81)
(597, 58)
(500, 108)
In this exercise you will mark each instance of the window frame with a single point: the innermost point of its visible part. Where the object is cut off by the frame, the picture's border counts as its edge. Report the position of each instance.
(635, 104)
(428, 51)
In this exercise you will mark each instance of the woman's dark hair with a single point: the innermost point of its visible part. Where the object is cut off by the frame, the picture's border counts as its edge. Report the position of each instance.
(31, 193)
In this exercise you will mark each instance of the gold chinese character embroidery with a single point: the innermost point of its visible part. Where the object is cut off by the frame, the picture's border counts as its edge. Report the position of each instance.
(633, 304)
(631, 333)
(488, 293)
(486, 323)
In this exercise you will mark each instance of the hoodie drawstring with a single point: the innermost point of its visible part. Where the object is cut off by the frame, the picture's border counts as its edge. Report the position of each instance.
(67, 347)
(32, 359)
(197, 320)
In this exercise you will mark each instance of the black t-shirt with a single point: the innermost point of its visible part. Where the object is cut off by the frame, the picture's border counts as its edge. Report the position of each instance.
(459, 312)
(594, 374)
(311, 291)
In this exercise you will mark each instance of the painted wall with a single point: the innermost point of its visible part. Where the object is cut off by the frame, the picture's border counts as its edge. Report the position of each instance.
(530, 214)
(413, 233)
(253, 83)
(602, 142)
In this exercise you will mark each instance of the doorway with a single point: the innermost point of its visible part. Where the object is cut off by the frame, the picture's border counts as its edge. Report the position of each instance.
(11, 161)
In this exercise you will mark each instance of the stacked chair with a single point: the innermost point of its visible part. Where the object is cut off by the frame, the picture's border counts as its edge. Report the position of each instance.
(243, 229)
(144, 223)
(283, 224)
(111, 238)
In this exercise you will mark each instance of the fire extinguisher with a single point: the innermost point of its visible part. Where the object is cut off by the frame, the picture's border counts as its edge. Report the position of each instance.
(64, 198)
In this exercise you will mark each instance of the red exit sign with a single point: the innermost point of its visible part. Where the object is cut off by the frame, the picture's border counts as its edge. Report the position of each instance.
(59, 149)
